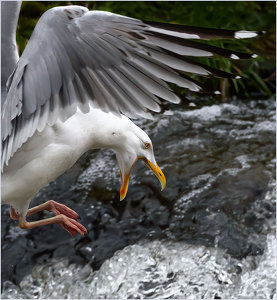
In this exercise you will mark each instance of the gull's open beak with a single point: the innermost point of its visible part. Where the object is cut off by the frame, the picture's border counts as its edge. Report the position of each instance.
(155, 169)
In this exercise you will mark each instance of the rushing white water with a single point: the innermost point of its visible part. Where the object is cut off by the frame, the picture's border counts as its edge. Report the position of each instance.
(156, 270)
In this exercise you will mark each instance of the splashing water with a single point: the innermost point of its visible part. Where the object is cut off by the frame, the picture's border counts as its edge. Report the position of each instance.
(156, 269)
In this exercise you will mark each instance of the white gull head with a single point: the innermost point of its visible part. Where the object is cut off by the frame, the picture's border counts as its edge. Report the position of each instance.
(130, 144)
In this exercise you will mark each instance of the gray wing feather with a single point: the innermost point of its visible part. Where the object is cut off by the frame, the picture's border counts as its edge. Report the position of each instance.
(75, 58)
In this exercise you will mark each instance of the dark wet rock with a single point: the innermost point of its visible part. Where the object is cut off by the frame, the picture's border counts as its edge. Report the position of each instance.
(219, 164)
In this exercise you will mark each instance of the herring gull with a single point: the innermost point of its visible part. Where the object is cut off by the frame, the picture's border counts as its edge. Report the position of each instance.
(82, 75)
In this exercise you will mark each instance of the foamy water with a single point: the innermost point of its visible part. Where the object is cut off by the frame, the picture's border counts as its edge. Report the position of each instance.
(158, 269)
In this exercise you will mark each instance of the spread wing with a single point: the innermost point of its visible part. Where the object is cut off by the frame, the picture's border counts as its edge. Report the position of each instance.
(76, 58)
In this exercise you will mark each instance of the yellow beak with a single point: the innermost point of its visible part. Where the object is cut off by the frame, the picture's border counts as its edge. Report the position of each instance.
(155, 169)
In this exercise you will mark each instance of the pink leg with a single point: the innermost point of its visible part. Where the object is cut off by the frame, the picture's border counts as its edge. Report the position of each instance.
(50, 205)
(67, 217)
(71, 225)
(55, 207)
(13, 214)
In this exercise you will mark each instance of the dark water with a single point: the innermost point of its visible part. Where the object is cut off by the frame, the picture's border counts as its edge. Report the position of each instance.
(209, 234)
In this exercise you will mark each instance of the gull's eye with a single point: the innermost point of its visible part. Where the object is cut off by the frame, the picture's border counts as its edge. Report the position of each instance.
(146, 145)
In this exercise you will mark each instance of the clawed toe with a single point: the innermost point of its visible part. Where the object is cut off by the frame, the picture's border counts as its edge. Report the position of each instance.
(65, 216)
(71, 225)
(69, 230)
(58, 209)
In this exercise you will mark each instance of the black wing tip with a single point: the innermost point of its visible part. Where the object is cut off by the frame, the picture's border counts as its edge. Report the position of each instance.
(205, 32)
(237, 55)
